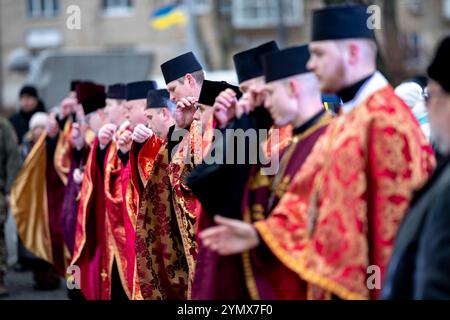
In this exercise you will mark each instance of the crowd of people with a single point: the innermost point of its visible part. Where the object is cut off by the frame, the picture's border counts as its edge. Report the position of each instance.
(207, 191)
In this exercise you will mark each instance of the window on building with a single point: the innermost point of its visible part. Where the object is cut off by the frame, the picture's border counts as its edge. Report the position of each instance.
(415, 51)
(446, 9)
(416, 7)
(43, 8)
(264, 13)
(117, 7)
(201, 6)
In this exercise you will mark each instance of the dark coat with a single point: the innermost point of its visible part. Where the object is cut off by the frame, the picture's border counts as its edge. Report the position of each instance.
(21, 121)
(220, 187)
(420, 265)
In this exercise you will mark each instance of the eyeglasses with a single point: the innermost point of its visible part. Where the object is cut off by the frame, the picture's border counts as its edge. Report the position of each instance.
(427, 95)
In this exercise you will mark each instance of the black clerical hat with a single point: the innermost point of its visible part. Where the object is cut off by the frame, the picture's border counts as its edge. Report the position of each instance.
(138, 90)
(439, 70)
(211, 89)
(91, 96)
(117, 91)
(180, 66)
(248, 63)
(158, 98)
(342, 22)
(74, 83)
(285, 63)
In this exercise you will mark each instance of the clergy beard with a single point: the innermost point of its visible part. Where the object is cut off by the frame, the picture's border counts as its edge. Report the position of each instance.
(334, 83)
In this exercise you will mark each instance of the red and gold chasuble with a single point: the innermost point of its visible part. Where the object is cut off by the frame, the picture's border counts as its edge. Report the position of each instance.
(283, 140)
(63, 152)
(221, 277)
(189, 154)
(165, 226)
(72, 193)
(117, 227)
(161, 264)
(93, 251)
(342, 211)
(134, 179)
(140, 168)
(120, 227)
(266, 276)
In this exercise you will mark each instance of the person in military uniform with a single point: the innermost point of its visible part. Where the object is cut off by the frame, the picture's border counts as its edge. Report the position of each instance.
(9, 166)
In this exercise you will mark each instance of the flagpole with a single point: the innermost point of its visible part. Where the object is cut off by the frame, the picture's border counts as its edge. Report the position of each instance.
(191, 32)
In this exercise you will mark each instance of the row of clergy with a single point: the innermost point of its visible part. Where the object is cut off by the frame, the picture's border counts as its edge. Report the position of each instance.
(119, 187)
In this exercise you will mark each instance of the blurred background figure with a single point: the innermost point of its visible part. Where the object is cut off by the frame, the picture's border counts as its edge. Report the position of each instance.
(9, 166)
(412, 93)
(38, 124)
(419, 268)
(44, 275)
(29, 104)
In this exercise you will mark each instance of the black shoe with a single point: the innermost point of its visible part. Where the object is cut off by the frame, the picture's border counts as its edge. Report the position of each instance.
(18, 267)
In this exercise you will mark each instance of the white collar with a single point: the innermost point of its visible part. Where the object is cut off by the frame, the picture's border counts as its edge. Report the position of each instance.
(372, 85)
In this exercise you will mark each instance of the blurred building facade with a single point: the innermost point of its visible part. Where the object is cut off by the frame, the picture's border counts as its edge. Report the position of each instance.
(222, 27)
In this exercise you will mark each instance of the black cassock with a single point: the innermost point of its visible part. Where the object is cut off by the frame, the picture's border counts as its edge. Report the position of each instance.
(220, 188)
(420, 265)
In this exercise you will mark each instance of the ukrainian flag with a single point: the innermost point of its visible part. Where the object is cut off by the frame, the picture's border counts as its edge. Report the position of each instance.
(331, 102)
(168, 16)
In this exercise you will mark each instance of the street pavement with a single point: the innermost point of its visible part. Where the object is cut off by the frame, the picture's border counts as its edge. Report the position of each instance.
(20, 286)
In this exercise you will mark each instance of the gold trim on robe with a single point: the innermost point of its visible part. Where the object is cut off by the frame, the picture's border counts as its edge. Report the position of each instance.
(115, 215)
(29, 202)
(161, 263)
(63, 152)
(277, 185)
(276, 146)
(368, 163)
(141, 167)
(193, 147)
(82, 246)
(85, 195)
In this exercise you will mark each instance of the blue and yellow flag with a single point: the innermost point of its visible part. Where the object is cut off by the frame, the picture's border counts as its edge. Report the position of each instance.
(331, 102)
(167, 16)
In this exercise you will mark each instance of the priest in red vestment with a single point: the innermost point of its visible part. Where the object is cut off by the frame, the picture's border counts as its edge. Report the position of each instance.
(81, 140)
(293, 98)
(39, 191)
(335, 225)
(147, 143)
(219, 277)
(164, 255)
(90, 234)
